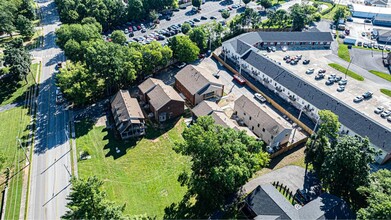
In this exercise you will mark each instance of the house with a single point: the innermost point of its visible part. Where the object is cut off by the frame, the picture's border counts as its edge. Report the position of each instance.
(379, 3)
(304, 96)
(262, 121)
(164, 102)
(197, 84)
(128, 117)
(210, 108)
(266, 202)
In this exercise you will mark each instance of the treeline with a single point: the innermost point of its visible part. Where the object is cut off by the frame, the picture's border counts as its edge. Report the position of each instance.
(109, 13)
(100, 68)
(17, 16)
(17, 60)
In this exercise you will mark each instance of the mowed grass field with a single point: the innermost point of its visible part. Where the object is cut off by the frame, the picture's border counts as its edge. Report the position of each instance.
(144, 175)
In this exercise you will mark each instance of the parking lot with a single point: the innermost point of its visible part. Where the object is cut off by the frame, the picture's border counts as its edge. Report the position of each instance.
(353, 87)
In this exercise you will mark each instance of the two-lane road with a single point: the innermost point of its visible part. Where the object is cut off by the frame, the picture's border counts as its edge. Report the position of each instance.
(51, 163)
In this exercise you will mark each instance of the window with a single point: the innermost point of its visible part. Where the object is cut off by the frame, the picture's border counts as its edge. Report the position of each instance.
(252, 128)
(258, 125)
(272, 137)
(249, 118)
(244, 113)
(263, 129)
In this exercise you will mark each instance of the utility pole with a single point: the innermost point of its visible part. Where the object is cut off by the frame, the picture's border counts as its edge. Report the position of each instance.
(349, 66)
(24, 150)
(294, 130)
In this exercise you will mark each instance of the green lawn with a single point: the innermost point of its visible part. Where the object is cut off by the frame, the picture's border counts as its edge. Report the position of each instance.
(343, 52)
(14, 123)
(383, 75)
(144, 176)
(11, 91)
(349, 72)
(330, 15)
(386, 92)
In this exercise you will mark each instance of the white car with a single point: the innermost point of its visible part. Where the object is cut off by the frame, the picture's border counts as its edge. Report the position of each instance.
(379, 109)
(341, 88)
(259, 97)
(385, 114)
(358, 99)
(310, 71)
(181, 65)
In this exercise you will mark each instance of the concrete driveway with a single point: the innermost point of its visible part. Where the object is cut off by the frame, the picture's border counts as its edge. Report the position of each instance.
(291, 176)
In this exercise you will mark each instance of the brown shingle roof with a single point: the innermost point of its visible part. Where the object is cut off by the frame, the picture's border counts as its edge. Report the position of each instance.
(205, 108)
(266, 117)
(222, 119)
(149, 84)
(161, 95)
(126, 107)
(195, 78)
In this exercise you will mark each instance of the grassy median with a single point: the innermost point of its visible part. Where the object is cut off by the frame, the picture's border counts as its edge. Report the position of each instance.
(383, 75)
(343, 52)
(386, 92)
(143, 175)
(348, 72)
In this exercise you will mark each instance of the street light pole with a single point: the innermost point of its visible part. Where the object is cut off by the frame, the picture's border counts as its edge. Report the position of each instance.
(348, 67)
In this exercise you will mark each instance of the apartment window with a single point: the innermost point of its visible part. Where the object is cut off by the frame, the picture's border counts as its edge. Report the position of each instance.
(258, 125)
(272, 137)
(252, 128)
(263, 129)
(244, 113)
(249, 118)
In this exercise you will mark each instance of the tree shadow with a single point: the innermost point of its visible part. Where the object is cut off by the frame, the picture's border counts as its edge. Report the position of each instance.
(279, 158)
(8, 86)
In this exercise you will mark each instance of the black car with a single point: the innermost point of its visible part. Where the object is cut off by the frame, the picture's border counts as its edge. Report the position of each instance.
(306, 61)
(350, 19)
(367, 95)
(203, 18)
(286, 57)
(213, 17)
(367, 21)
(329, 82)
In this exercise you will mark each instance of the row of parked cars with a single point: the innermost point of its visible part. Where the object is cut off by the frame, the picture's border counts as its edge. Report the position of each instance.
(331, 79)
(293, 60)
(374, 46)
(384, 113)
(366, 95)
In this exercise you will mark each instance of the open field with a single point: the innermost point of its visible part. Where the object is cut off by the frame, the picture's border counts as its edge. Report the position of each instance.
(11, 91)
(143, 175)
(385, 76)
(348, 72)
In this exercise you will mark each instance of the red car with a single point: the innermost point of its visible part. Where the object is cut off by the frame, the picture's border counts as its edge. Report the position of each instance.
(139, 27)
(240, 79)
(202, 55)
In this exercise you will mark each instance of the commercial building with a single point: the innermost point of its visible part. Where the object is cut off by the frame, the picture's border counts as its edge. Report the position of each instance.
(308, 98)
(369, 12)
(264, 122)
(197, 84)
(128, 117)
(382, 19)
(164, 102)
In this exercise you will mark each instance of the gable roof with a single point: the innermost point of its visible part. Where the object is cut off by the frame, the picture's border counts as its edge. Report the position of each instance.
(270, 120)
(161, 95)
(149, 84)
(205, 108)
(268, 203)
(222, 119)
(295, 36)
(127, 108)
(196, 78)
(378, 134)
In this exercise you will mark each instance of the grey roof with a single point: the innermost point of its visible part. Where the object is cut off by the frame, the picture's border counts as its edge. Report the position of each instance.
(127, 108)
(161, 95)
(239, 46)
(195, 78)
(295, 36)
(268, 203)
(382, 17)
(354, 120)
(205, 108)
(149, 84)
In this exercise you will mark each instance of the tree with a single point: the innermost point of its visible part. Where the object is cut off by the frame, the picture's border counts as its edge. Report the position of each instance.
(183, 48)
(6, 22)
(26, 9)
(25, 26)
(281, 17)
(73, 50)
(266, 3)
(186, 27)
(318, 144)
(18, 59)
(246, 2)
(378, 196)
(153, 15)
(199, 36)
(118, 37)
(340, 13)
(77, 32)
(346, 167)
(299, 17)
(222, 161)
(196, 3)
(225, 14)
(88, 201)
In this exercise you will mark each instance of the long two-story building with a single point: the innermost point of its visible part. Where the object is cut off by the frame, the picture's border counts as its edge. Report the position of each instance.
(303, 95)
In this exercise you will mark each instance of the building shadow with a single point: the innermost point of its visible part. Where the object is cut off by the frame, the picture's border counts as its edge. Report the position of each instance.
(275, 161)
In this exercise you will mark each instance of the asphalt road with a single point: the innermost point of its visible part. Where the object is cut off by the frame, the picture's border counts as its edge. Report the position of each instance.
(51, 163)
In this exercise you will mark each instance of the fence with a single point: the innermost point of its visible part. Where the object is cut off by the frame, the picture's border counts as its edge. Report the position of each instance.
(285, 191)
(271, 101)
(285, 149)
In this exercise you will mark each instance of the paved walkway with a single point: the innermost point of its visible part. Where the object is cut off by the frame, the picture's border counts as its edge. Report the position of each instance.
(291, 176)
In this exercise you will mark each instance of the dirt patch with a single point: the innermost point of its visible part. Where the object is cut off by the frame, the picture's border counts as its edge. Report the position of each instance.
(101, 121)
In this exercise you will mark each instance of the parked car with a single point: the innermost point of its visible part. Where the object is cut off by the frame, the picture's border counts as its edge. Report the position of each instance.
(359, 43)
(368, 21)
(358, 99)
(329, 82)
(213, 17)
(310, 71)
(305, 62)
(375, 46)
(239, 79)
(322, 71)
(293, 62)
(367, 95)
(347, 31)
(341, 88)
(134, 28)
(363, 34)
(286, 57)
(216, 74)
(319, 76)
(365, 45)
(389, 119)
(379, 109)
(203, 18)
(196, 20)
(274, 49)
(350, 19)
(385, 114)
(342, 36)
(343, 82)
(259, 97)
(381, 47)
(181, 65)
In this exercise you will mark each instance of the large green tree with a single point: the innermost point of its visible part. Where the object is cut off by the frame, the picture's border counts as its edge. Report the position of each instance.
(266, 3)
(7, 11)
(346, 167)
(299, 17)
(378, 196)
(77, 32)
(88, 201)
(225, 14)
(24, 26)
(118, 37)
(183, 48)
(222, 161)
(340, 13)
(199, 36)
(18, 59)
(196, 3)
(186, 27)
